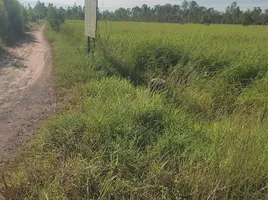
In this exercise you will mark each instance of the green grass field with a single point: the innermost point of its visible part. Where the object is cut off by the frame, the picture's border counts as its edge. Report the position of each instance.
(204, 137)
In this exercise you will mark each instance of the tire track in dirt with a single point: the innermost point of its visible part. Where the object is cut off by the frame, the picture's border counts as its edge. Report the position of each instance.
(26, 94)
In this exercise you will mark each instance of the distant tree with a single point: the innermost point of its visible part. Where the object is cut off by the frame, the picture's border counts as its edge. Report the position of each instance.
(121, 14)
(235, 12)
(145, 12)
(168, 13)
(32, 17)
(136, 11)
(68, 13)
(232, 14)
(246, 18)
(257, 15)
(40, 10)
(193, 11)
(176, 13)
(55, 17)
(265, 17)
(185, 11)
(80, 15)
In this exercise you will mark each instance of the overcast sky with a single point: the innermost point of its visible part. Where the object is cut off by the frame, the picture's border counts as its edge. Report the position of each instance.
(113, 4)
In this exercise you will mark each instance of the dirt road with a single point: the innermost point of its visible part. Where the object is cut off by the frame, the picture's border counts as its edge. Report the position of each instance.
(26, 94)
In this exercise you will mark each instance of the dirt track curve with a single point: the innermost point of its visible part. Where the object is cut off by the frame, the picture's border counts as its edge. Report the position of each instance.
(26, 94)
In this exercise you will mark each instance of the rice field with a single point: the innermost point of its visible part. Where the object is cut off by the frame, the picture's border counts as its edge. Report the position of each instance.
(203, 137)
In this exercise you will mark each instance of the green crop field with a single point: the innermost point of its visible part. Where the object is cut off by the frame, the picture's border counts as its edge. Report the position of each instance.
(203, 137)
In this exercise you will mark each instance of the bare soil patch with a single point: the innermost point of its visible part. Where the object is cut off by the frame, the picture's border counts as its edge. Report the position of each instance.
(26, 94)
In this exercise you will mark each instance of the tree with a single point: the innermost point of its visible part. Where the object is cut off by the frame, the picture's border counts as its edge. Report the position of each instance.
(3, 19)
(15, 17)
(41, 10)
(232, 14)
(145, 12)
(55, 17)
(136, 11)
(265, 17)
(31, 14)
(256, 15)
(176, 13)
(185, 11)
(167, 10)
(236, 13)
(121, 14)
(193, 11)
(246, 18)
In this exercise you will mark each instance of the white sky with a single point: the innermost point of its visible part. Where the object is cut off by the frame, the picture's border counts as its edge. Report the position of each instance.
(113, 4)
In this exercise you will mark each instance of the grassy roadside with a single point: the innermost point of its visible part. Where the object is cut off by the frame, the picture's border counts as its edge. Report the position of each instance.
(115, 140)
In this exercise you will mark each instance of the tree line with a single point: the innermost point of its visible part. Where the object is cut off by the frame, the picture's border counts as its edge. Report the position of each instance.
(54, 15)
(14, 16)
(188, 12)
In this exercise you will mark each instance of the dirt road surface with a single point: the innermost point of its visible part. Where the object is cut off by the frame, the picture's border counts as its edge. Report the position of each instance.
(26, 94)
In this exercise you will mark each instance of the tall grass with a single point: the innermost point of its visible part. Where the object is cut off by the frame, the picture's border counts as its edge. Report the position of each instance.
(203, 138)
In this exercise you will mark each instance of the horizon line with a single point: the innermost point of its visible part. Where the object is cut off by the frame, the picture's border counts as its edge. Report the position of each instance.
(218, 7)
